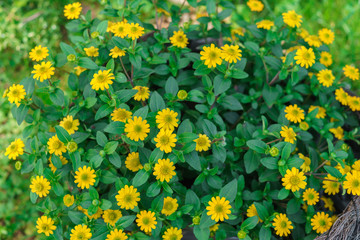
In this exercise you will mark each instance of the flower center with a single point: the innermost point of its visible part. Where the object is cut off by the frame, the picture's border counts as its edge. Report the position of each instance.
(38, 52)
(141, 90)
(121, 114)
(128, 198)
(39, 187)
(81, 236)
(283, 224)
(335, 185)
(72, 9)
(306, 55)
(57, 144)
(173, 237)
(42, 69)
(137, 128)
(311, 196)
(13, 147)
(101, 78)
(168, 118)
(112, 216)
(168, 206)
(180, 38)
(146, 221)
(68, 124)
(164, 140)
(322, 222)
(219, 208)
(213, 55)
(294, 180)
(165, 170)
(45, 227)
(84, 177)
(201, 141)
(355, 183)
(134, 29)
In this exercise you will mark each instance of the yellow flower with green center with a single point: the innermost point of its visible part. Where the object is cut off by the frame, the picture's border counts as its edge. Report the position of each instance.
(172, 233)
(85, 177)
(80, 232)
(351, 72)
(331, 185)
(310, 196)
(341, 96)
(356, 165)
(137, 129)
(326, 59)
(294, 180)
(294, 113)
(288, 134)
(110, 25)
(321, 222)
(70, 124)
(354, 103)
(51, 165)
(265, 24)
(56, 146)
(142, 94)
(343, 170)
(218, 209)
(313, 41)
(40, 186)
(15, 94)
(292, 19)
(146, 220)
(38, 53)
(15, 149)
(231, 54)
(255, 5)
(111, 216)
(251, 212)
(96, 215)
(338, 132)
(305, 57)
(164, 170)
(134, 30)
(120, 29)
(72, 11)
(166, 119)
(305, 167)
(165, 140)
(45, 225)
(116, 52)
(179, 39)
(116, 234)
(326, 36)
(282, 225)
(43, 71)
(92, 51)
(303, 33)
(120, 115)
(170, 206)
(211, 55)
(132, 162)
(326, 77)
(128, 197)
(68, 200)
(321, 111)
(214, 227)
(328, 203)
(203, 143)
(102, 79)
(352, 183)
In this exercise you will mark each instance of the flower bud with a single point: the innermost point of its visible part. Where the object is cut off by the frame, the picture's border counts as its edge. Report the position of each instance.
(102, 153)
(304, 126)
(95, 202)
(95, 34)
(241, 234)
(196, 220)
(281, 163)
(345, 147)
(72, 146)
(18, 165)
(71, 58)
(182, 94)
(274, 151)
(147, 167)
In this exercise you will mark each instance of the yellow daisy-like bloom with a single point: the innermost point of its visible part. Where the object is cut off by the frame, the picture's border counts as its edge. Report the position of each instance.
(218, 208)
(341, 96)
(72, 11)
(70, 124)
(354, 103)
(326, 36)
(303, 33)
(325, 77)
(356, 165)
(170, 206)
(203, 143)
(43, 71)
(292, 19)
(51, 165)
(328, 203)
(165, 140)
(120, 29)
(40, 186)
(288, 133)
(255, 5)
(146, 220)
(56, 146)
(45, 225)
(313, 41)
(166, 119)
(110, 25)
(214, 227)
(111, 216)
(116, 52)
(305, 57)
(294, 180)
(134, 30)
(80, 232)
(164, 170)
(265, 24)
(85, 177)
(92, 51)
(351, 72)
(211, 55)
(137, 129)
(282, 225)
(132, 162)
(38, 53)
(330, 186)
(116, 234)
(321, 222)
(352, 183)
(68, 200)
(79, 70)
(294, 113)
(231, 53)
(321, 113)
(16, 93)
(310, 196)
(96, 215)
(128, 197)
(237, 31)
(179, 39)
(342, 170)
(251, 212)
(338, 132)
(15, 149)
(172, 233)
(142, 94)
(305, 167)
(102, 79)
(120, 115)
(326, 59)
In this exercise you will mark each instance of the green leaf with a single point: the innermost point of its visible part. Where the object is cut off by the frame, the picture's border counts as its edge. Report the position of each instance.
(261, 210)
(153, 190)
(283, 193)
(333, 171)
(87, 63)
(238, 74)
(193, 160)
(101, 138)
(67, 49)
(33, 197)
(142, 112)
(120, 78)
(252, 46)
(20, 113)
(201, 233)
(192, 199)
(221, 84)
(265, 233)
(209, 128)
(286, 151)
(171, 86)
(62, 134)
(57, 97)
(115, 128)
(103, 111)
(93, 193)
(293, 206)
(76, 217)
(110, 147)
(210, 6)
(251, 161)
(206, 221)
(105, 204)
(156, 155)
(229, 191)
(140, 178)
(257, 145)
(125, 94)
(156, 102)
(56, 161)
(269, 162)
(126, 221)
(101, 27)
(115, 159)
(249, 223)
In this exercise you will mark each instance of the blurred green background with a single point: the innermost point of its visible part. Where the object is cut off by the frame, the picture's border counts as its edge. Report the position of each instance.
(25, 24)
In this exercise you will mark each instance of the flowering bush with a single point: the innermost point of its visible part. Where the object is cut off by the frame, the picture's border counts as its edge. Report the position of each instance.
(212, 126)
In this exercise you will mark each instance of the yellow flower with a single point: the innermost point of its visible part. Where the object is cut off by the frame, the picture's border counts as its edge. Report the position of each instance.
(203, 143)
(305, 57)
(165, 140)
(292, 19)
(170, 206)
(43, 71)
(341, 96)
(356, 165)
(38, 53)
(218, 208)
(172, 233)
(303, 33)
(255, 5)
(305, 167)
(214, 227)
(80, 232)
(352, 183)
(120, 115)
(321, 222)
(15, 149)
(142, 94)
(211, 55)
(294, 180)
(161, 10)
(321, 113)
(146, 220)
(288, 133)
(313, 41)
(265, 24)
(326, 59)
(116, 235)
(251, 212)
(51, 165)
(294, 113)
(56, 146)
(132, 162)
(111, 216)
(310, 196)
(134, 30)
(85, 177)
(116, 52)
(68, 200)
(120, 29)
(338, 132)
(282, 225)
(237, 31)
(166, 119)
(304, 126)
(231, 53)
(70, 124)
(351, 72)
(102, 79)
(79, 70)
(179, 39)
(96, 215)
(325, 77)
(110, 25)
(16, 93)
(328, 203)
(128, 197)
(164, 170)
(45, 225)
(92, 51)
(137, 129)
(326, 36)
(40, 186)
(331, 185)
(354, 103)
